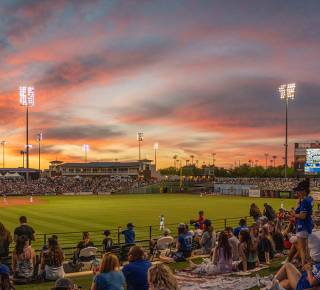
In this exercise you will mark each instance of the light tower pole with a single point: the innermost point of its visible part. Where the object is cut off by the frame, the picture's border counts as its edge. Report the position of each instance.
(27, 100)
(287, 92)
(155, 147)
(3, 143)
(39, 139)
(86, 149)
(140, 139)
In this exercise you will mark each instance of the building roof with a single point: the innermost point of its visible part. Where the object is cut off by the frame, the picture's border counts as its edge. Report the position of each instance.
(100, 164)
(19, 169)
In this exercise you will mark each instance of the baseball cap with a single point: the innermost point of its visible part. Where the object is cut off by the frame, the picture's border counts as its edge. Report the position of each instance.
(4, 270)
(130, 225)
(302, 185)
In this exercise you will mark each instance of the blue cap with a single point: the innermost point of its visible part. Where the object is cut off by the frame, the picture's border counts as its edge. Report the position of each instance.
(4, 269)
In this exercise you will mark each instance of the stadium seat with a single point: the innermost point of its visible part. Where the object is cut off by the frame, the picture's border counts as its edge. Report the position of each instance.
(86, 257)
(162, 245)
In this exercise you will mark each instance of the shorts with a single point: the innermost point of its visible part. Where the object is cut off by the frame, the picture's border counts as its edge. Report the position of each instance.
(302, 234)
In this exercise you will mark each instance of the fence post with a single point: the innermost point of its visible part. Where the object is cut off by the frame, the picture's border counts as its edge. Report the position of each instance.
(44, 239)
(118, 235)
(150, 233)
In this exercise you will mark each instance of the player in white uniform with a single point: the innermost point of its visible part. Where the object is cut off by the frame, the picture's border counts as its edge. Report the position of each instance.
(161, 222)
(31, 198)
(4, 198)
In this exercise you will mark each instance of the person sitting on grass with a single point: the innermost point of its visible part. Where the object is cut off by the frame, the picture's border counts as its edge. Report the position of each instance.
(265, 246)
(160, 277)
(289, 277)
(107, 242)
(5, 283)
(208, 239)
(136, 272)
(234, 243)
(221, 261)
(23, 259)
(242, 226)
(52, 260)
(110, 276)
(247, 252)
(129, 234)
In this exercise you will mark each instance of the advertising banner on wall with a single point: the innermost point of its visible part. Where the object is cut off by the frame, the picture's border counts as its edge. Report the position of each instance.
(254, 192)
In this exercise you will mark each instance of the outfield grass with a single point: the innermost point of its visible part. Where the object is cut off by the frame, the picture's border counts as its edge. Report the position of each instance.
(79, 213)
(61, 214)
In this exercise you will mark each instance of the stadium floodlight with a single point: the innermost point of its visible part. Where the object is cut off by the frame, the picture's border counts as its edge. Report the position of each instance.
(39, 139)
(287, 92)
(85, 149)
(155, 147)
(140, 139)
(3, 143)
(27, 99)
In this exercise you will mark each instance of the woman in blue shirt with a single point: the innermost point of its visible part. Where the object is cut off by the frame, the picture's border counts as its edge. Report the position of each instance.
(289, 277)
(303, 216)
(110, 277)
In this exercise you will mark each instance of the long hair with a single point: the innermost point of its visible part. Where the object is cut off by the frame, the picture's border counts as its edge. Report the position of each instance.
(6, 283)
(246, 238)
(3, 232)
(20, 244)
(109, 263)
(161, 278)
(223, 243)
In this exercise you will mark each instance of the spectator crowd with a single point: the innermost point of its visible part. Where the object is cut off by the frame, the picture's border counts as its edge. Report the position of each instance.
(285, 233)
(278, 184)
(60, 185)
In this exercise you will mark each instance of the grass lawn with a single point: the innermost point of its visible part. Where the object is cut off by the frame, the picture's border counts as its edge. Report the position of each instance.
(60, 214)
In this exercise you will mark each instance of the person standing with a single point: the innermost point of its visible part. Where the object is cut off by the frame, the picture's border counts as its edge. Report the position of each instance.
(303, 216)
(161, 222)
(129, 234)
(24, 230)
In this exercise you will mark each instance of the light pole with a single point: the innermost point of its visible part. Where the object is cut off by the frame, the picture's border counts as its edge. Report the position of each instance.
(39, 139)
(287, 92)
(27, 100)
(85, 149)
(22, 152)
(139, 139)
(155, 147)
(266, 155)
(3, 143)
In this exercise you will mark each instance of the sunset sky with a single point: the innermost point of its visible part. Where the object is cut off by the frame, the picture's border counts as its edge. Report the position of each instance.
(195, 76)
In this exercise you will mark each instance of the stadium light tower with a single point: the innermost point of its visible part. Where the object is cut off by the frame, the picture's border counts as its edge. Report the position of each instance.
(85, 149)
(39, 139)
(155, 147)
(287, 92)
(140, 139)
(3, 143)
(27, 100)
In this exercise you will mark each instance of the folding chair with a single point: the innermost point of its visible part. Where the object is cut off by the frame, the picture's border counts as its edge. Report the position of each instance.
(163, 244)
(86, 258)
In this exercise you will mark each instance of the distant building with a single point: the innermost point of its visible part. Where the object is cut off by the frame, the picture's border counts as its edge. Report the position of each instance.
(102, 169)
(20, 172)
(300, 155)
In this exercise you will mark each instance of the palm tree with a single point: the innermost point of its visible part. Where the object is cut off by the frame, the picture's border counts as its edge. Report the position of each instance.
(266, 155)
(175, 160)
(191, 156)
(187, 162)
(274, 157)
